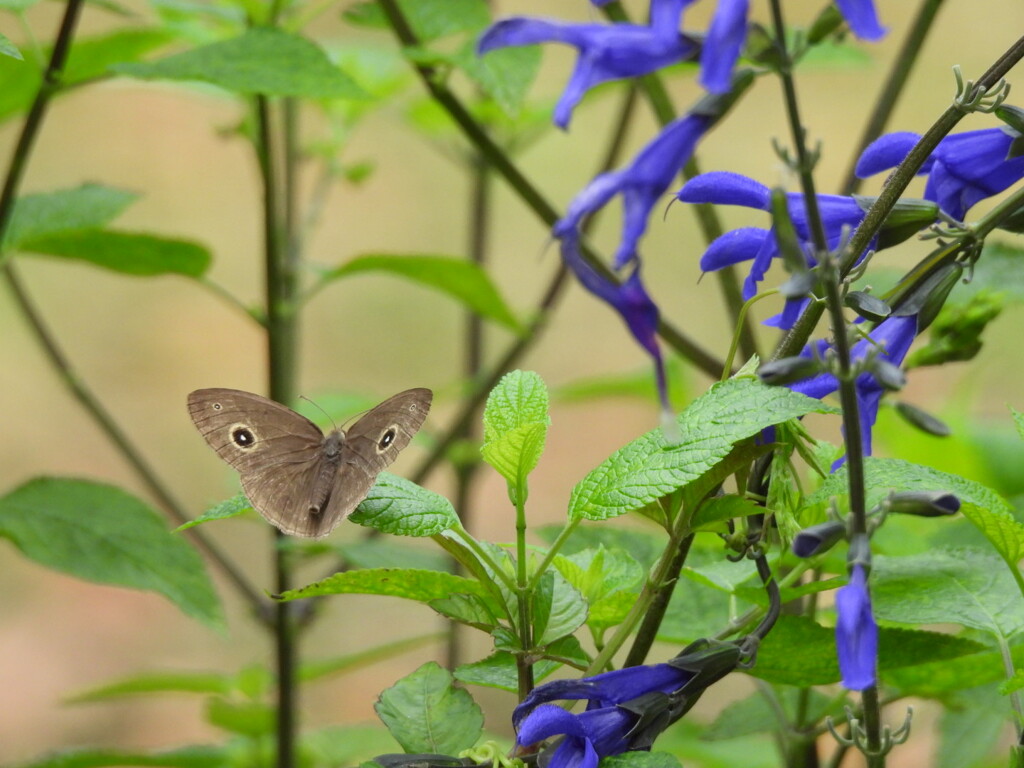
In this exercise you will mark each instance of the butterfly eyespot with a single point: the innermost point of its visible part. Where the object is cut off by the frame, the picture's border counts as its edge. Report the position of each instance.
(217, 406)
(386, 439)
(243, 437)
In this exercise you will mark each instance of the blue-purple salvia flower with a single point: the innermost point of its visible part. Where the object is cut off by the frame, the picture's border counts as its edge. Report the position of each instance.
(893, 337)
(604, 728)
(760, 246)
(964, 168)
(606, 51)
(856, 632)
(641, 184)
(728, 32)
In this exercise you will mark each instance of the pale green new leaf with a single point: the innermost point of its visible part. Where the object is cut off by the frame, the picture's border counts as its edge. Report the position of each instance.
(460, 279)
(232, 507)
(558, 609)
(7, 48)
(515, 425)
(261, 60)
(650, 467)
(99, 757)
(100, 533)
(205, 683)
(425, 712)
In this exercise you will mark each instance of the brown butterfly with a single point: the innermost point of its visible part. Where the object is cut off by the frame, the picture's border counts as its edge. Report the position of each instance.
(300, 480)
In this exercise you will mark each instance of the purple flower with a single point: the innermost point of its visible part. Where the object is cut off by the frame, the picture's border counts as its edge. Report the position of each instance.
(856, 632)
(641, 184)
(760, 246)
(964, 169)
(728, 32)
(894, 335)
(606, 51)
(605, 727)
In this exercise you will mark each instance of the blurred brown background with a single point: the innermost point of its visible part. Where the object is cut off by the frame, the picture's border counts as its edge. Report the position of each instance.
(143, 344)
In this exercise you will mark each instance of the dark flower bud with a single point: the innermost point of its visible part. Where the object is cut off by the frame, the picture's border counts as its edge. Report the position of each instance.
(956, 333)
(887, 375)
(793, 258)
(827, 22)
(924, 503)
(867, 306)
(788, 369)
(923, 420)
(818, 538)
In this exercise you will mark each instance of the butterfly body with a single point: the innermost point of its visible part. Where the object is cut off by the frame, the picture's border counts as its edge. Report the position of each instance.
(300, 480)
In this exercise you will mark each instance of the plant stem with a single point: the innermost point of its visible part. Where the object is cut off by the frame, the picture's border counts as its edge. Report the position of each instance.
(894, 84)
(524, 667)
(648, 629)
(49, 86)
(897, 182)
(280, 289)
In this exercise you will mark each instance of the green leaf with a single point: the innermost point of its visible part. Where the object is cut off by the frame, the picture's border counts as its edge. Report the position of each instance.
(462, 280)
(499, 671)
(609, 581)
(7, 48)
(232, 507)
(515, 425)
(407, 583)
(401, 508)
(262, 60)
(649, 468)
(712, 515)
(88, 59)
(90, 206)
(100, 533)
(128, 253)
(961, 586)
(755, 714)
(558, 609)
(425, 712)
(338, 745)
(505, 75)
(982, 506)
(158, 682)
(471, 610)
(388, 553)
(98, 757)
(248, 718)
(970, 728)
(429, 19)
(640, 760)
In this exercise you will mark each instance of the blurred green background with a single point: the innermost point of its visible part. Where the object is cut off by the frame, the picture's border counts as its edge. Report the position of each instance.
(143, 344)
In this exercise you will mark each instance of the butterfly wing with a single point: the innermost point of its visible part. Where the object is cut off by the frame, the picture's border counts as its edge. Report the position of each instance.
(370, 445)
(277, 453)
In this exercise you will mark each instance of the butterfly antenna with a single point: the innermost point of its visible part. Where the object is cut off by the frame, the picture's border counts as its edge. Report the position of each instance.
(317, 406)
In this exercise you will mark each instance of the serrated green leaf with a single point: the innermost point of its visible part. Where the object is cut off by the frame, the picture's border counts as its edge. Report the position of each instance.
(232, 507)
(88, 59)
(649, 468)
(992, 515)
(7, 48)
(609, 581)
(499, 671)
(468, 609)
(158, 682)
(401, 508)
(425, 712)
(100, 533)
(47, 214)
(249, 718)
(515, 425)
(558, 608)
(408, 583)
(961, 586)
(125, 252)
(92, 757)
(261, 60)
(388, 553)
(941, 678)
(429, 19)
(462, 280)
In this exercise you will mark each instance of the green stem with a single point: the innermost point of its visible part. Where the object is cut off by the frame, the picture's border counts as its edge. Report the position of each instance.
(524, 667)
(894, 84)
(897, 182)
(280, 285)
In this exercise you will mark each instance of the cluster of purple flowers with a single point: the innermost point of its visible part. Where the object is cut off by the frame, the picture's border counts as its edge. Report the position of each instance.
(964, 169)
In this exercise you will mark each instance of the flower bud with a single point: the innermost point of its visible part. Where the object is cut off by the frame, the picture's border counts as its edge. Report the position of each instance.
(867, 306)
(923, 420)
(889, 376)
(818, 538)
(924, 503)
